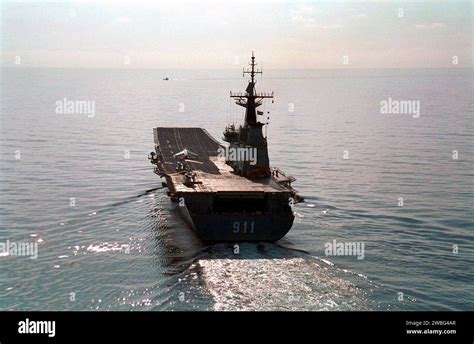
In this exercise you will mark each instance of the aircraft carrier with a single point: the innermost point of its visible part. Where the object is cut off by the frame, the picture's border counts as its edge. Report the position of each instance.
(227, 192)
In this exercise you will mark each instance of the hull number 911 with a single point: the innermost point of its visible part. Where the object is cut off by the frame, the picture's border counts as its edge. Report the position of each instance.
(243, 227)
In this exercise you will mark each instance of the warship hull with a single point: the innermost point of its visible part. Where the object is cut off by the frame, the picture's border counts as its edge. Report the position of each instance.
(218, 204)
(218, 219)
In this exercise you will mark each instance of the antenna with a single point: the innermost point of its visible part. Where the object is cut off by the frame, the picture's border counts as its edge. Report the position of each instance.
(250, 99)
(252, 71)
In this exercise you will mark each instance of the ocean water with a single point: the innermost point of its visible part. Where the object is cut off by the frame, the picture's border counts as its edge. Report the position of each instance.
(81, 187)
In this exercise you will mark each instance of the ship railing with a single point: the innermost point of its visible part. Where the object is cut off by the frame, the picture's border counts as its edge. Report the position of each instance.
(280, 174)
(264, 94)
(239, 94)
(246, 94)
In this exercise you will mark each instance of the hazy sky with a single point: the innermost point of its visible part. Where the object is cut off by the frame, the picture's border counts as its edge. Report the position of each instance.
(220, 34)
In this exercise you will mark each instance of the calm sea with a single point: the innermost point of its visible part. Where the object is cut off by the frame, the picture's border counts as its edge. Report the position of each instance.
(81, 187)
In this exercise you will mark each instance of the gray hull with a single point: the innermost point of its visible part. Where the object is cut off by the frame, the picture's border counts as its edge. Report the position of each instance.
(245, 228)
(241, 227)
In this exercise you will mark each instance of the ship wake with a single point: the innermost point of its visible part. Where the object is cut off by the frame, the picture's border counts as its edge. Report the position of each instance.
(272, 284)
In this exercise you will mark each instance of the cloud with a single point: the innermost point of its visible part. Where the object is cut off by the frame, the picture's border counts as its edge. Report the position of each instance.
(360, 15)
(306, 17)
(330, 27)
(430, 26)
(122, 20)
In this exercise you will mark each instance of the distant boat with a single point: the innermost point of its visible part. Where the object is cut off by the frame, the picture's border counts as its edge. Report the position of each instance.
(166, 78)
